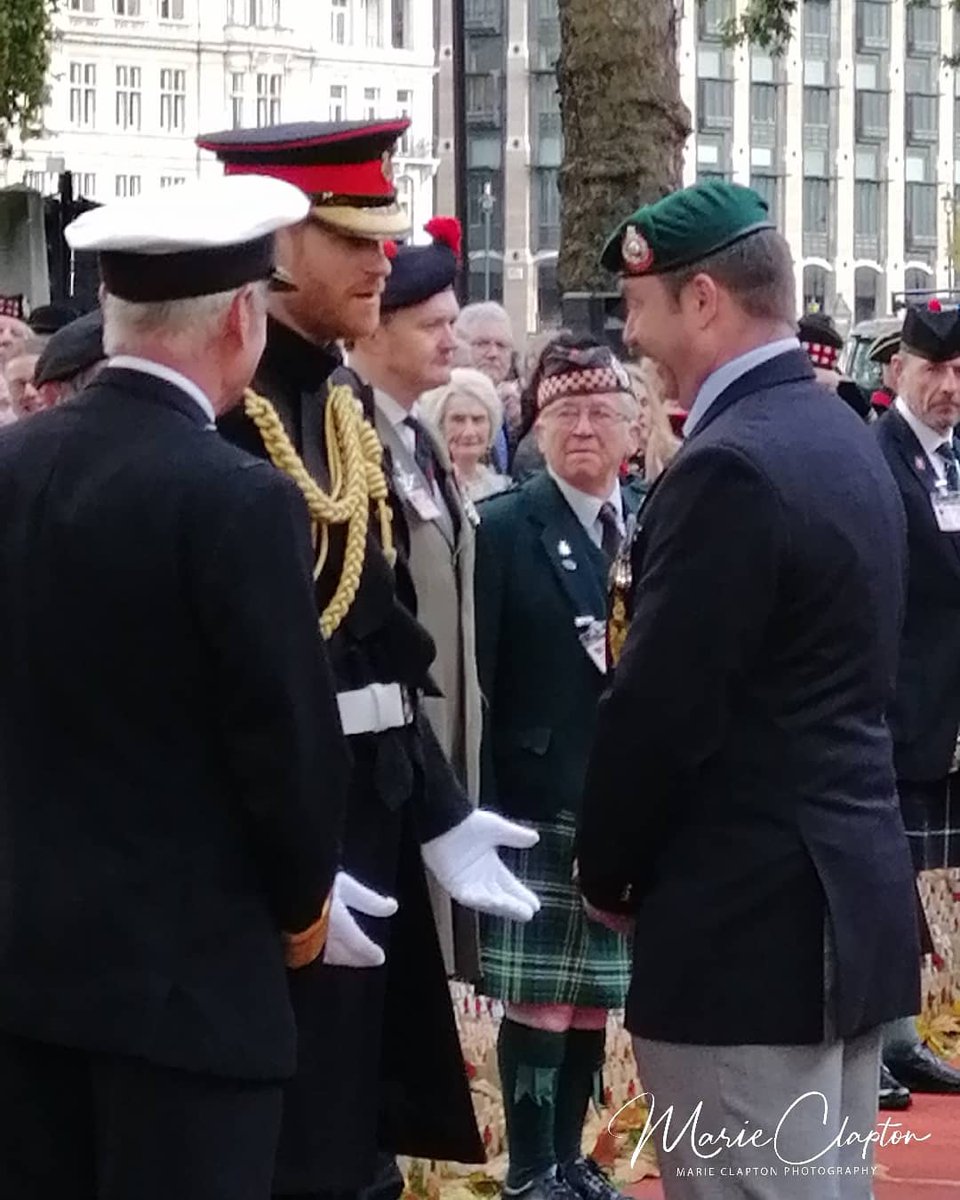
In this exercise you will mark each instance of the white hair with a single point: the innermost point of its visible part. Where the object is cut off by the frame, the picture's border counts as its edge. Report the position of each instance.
(188, 325)
(485, 310)
(469, 384)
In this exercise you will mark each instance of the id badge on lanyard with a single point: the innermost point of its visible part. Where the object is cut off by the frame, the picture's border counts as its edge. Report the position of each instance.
(946, 509)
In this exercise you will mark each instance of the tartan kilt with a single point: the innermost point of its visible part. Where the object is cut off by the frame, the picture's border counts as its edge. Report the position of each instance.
(560, 957)
(931, 817)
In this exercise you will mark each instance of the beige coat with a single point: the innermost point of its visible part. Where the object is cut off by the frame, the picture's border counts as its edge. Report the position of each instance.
(441, 564)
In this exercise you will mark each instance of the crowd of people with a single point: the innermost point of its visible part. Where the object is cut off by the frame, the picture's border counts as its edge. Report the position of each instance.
(385, 649)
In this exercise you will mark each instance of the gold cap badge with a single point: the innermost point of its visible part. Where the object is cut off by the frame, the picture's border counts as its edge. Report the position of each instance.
(635, 251)
(386, 166)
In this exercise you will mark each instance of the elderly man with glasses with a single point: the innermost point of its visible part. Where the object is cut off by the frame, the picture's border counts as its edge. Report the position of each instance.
(544, 553)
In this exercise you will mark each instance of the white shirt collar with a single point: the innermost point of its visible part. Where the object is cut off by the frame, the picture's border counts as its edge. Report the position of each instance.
(717, 383)
(395, 413)
(928, 438)
(586, 508)
(131, 362)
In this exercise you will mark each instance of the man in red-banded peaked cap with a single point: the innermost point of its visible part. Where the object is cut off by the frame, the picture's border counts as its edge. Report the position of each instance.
(380, 1068)
(345, 167)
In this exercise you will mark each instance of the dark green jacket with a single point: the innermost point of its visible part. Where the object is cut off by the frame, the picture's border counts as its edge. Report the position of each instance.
(540, 688)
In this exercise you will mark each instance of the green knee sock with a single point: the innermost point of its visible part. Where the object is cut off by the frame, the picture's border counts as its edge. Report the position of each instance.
(529, 1061)
(579, 1080)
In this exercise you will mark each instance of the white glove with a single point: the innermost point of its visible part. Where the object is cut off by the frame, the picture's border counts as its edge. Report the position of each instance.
(347, 945)
(466, 863)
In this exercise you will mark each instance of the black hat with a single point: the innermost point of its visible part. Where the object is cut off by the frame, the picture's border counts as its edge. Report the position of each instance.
(345, 167)
(817, 327)
(819, 337)
(71, 350)
(420, 272)
(932, 332)
(883, 348)
(48, 318)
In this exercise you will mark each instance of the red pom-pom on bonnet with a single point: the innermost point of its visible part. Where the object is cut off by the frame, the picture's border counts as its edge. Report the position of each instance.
(934, 305)
(390, 249)
(447, 231)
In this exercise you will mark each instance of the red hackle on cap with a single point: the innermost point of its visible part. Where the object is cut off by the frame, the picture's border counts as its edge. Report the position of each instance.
(390, 249)
(933, 305)
(447, 231)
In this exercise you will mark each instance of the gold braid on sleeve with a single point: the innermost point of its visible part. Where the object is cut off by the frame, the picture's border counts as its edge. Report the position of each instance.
(355, 458)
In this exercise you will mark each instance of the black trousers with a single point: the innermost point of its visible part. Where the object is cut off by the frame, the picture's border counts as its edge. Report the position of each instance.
(82, 1126)
(388, 1184)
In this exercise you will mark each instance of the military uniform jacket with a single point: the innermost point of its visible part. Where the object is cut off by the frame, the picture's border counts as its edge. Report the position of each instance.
(539, 579)
(172, 771)
(925, 715)
(379, 1058)
(741, 790)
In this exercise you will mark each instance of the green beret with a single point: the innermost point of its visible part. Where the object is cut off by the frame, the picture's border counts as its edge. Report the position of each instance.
(684, 228)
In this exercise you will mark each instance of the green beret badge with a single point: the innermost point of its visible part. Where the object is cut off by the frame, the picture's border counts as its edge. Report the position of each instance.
(635, 250)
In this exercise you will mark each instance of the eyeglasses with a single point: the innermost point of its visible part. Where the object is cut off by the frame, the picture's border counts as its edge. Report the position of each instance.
(600, 416)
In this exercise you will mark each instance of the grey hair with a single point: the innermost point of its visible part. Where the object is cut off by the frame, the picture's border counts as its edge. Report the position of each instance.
(485, 310)
(469, 383)
(757, 271)
(76, 383)
(189, 324)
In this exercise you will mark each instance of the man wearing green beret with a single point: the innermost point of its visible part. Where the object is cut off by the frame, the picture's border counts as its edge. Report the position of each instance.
(740, 809)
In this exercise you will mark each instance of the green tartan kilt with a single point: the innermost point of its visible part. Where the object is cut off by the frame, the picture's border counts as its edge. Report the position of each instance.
(560, 957)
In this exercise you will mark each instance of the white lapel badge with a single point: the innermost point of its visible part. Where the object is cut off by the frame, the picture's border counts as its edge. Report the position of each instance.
(568, 564)
(920, 463)
(563, 548)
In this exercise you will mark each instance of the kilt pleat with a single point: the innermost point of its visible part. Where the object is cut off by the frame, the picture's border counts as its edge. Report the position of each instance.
(561, 956)
(931, 817)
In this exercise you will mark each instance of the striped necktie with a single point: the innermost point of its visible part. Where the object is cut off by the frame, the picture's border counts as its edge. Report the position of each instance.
(610, 537)
(422, 450)
(951, 466)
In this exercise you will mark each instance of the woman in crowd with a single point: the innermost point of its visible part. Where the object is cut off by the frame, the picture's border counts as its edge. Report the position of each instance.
(657, 441)
(466, 413)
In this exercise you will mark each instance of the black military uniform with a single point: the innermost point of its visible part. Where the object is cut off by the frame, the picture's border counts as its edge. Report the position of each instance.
(172, 769)
(380, 1064)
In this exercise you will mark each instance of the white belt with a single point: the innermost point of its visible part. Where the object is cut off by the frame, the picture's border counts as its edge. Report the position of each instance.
(374, 708)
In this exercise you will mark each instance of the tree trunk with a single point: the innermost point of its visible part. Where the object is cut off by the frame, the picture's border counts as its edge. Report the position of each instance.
(624, 124)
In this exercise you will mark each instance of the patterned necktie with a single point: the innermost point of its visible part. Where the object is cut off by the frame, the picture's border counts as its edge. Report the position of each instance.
(610, 537)
(422, 450)
(951, 466)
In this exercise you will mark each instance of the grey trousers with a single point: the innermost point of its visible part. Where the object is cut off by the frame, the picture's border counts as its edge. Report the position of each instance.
(798, 1104)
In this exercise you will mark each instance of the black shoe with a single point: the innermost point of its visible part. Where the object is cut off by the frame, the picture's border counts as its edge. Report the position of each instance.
(893, 1095)
(589, 1181)
(922, 1071)
(546, 1188)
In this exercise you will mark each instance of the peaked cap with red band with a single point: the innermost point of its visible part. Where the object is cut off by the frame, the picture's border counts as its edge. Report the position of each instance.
(419, 272)
(344, 167)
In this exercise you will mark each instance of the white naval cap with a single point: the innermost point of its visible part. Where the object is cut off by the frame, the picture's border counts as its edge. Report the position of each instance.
(193, 240)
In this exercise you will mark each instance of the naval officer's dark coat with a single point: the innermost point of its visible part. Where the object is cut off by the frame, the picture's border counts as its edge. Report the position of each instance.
(925, 715)
(741, 790)
(172, 770)
(380, 1062)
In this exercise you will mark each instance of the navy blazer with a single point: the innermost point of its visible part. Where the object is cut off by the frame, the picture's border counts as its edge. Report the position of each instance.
(741, 791)
(172, 769)
(925, 715)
